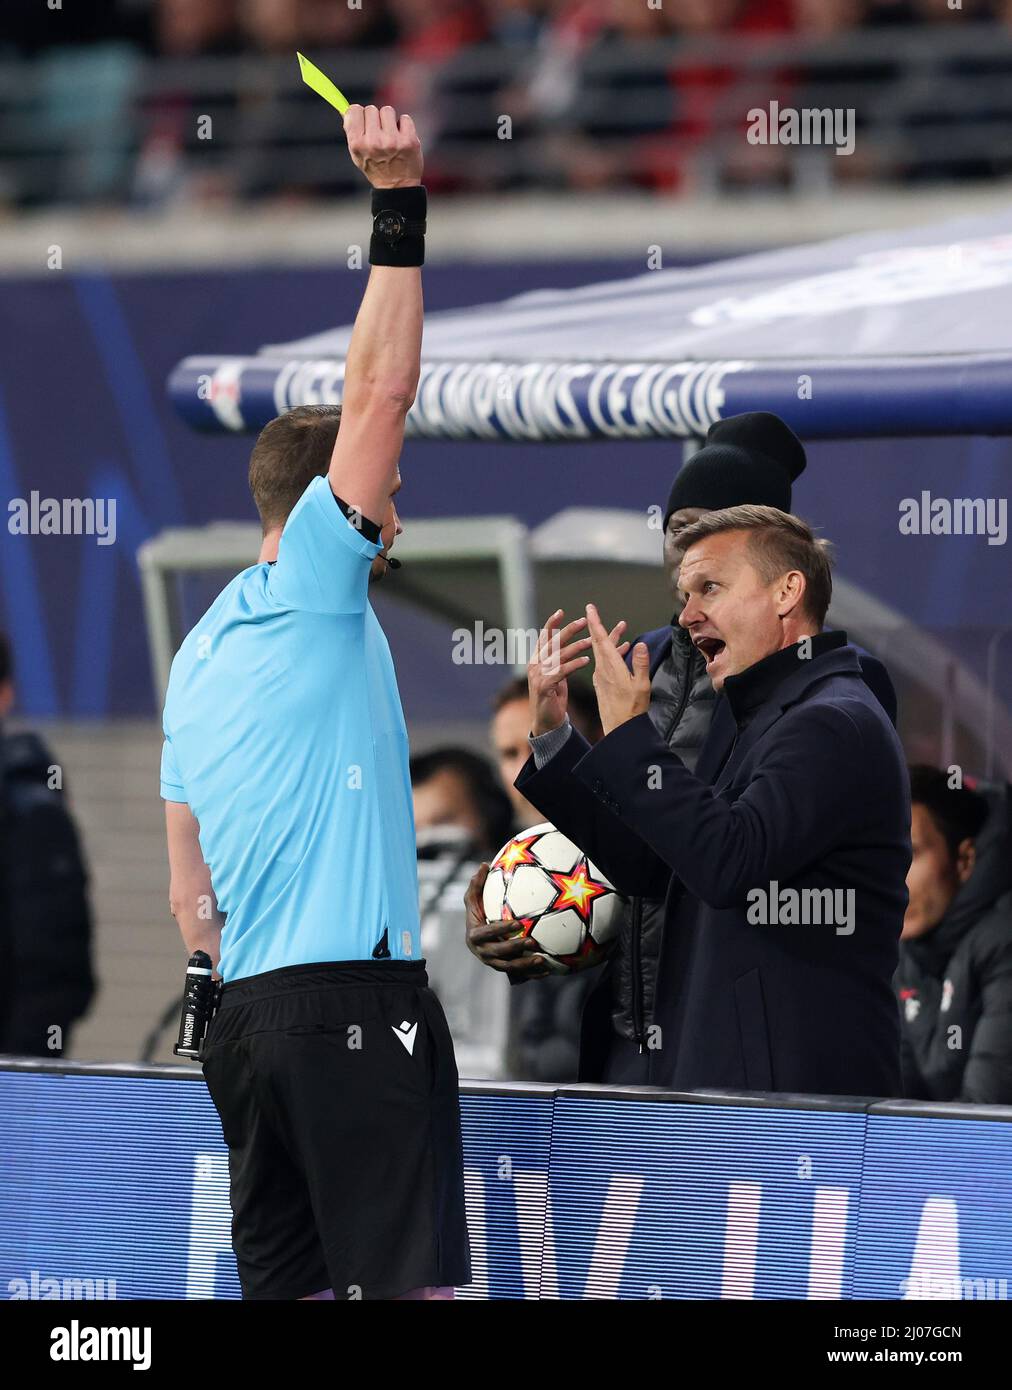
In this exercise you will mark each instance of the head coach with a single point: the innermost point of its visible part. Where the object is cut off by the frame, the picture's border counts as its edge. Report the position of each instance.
(751, 458)
(784, 874)
(291, 837)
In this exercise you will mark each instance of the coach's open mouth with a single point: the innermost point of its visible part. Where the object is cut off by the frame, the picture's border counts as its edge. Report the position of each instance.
(711, 647)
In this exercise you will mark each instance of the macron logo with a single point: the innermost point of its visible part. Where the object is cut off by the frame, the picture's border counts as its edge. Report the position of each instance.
(406, 1032)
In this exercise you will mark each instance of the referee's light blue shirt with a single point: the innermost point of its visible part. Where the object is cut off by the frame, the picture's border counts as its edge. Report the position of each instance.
(285, 736)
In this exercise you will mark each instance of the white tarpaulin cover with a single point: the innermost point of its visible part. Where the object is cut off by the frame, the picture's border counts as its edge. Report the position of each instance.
(904, 332)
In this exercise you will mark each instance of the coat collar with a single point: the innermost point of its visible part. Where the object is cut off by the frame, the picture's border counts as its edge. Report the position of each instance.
(782, 678)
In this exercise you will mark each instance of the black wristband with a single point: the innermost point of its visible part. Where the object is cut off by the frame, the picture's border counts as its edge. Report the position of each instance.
(398, 229)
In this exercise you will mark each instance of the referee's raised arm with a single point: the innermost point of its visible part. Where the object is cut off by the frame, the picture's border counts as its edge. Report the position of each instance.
(381, 372)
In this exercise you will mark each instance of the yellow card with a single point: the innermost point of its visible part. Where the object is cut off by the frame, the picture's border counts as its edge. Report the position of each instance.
(322, 85)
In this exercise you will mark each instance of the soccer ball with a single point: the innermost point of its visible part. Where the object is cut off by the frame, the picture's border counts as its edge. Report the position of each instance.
(540, 881)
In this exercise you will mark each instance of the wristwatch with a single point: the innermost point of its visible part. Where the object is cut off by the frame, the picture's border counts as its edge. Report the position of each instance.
(394, 226)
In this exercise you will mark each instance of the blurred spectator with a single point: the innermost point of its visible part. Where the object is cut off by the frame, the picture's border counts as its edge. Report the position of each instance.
(823, 18)
(711, 95)
(511, 725)
(515, 22)
(588, 114)
(710, 16)
(599, 94)
(544, 1017)
(270, 109)
(632, 19)
(540, 98)
(456, 790)
(954, 980)
(46, 981)
(462, 815)
(570, 28)
(430, 33)
(329, 24)
(174, 162)
(66, 123)
(186, 28)
(282, 26)
(274, 26)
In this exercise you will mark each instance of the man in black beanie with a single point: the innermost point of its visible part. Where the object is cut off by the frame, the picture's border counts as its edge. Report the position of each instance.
(752, 458)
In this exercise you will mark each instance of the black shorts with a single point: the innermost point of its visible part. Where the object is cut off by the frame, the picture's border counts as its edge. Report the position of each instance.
(336, 1087)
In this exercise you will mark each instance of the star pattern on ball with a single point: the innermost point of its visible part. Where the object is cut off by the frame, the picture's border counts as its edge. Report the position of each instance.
(542, 886)
(524, 925)
(518, 851)
(576, 890)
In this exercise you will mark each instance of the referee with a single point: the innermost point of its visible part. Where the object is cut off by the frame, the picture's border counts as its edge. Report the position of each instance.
(291, 839)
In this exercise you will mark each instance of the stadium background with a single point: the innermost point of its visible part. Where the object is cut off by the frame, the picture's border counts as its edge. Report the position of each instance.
(128, 243)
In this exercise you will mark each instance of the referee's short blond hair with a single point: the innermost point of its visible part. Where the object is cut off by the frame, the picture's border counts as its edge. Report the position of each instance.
(778, 542)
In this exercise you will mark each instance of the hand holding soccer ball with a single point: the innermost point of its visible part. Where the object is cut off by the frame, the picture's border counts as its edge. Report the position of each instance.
(497, 944)
(543, 890)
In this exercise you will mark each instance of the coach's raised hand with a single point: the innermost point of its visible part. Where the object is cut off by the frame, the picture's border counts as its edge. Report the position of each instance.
(558, 654)
(386, 149)
(622, 693)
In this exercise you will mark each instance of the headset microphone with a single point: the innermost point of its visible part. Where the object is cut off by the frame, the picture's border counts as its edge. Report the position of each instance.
(392, 563)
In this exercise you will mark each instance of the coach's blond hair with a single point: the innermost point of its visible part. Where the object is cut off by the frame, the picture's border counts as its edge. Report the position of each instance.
(778, 542)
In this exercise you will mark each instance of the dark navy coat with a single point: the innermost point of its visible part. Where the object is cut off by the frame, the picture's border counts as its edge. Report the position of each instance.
(811, 794)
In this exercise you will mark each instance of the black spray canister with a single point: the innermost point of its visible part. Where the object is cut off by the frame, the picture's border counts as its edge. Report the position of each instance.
(200, 1003)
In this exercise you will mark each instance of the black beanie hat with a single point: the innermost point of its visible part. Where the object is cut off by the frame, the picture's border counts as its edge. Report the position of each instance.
(747, 459)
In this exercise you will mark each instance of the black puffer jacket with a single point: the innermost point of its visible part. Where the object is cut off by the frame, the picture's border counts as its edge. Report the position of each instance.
(954, 985)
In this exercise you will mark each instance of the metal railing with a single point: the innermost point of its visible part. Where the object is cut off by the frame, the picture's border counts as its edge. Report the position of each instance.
(107, 125)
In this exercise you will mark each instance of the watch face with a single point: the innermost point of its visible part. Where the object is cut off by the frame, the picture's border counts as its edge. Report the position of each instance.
(390, 226)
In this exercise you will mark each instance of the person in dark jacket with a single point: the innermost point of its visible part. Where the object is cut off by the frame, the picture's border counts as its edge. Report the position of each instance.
(46, 981)
(751, 458)
(746, 458)
(954, 981)
(784, 880)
